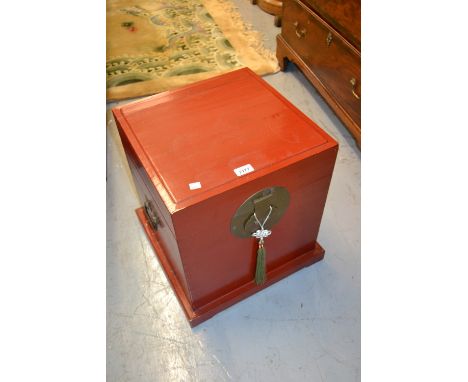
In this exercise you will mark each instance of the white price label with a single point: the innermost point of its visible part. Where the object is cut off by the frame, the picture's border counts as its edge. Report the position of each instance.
(195, 185)
(243, 170)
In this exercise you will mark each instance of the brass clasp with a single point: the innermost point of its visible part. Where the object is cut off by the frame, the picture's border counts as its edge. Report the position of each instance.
(271, 202)
(353, 83)
(299, 33)
(329, 38)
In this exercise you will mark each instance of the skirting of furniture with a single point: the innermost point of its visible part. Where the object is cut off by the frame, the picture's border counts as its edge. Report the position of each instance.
(329, 60)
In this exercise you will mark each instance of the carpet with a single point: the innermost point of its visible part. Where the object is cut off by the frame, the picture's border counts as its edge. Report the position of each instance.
(158, 45)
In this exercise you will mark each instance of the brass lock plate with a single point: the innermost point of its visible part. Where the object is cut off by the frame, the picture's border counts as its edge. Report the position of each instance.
(243, 223)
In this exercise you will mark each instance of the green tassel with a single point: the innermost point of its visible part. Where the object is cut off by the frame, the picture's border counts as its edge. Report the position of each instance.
(260, 272)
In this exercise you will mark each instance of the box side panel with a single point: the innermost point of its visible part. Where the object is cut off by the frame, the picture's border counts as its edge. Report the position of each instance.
(216, 261)
(134, 149)
(164, 233)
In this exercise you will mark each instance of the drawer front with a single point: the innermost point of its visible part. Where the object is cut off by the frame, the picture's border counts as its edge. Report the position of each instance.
(343, 15)
(335, 62)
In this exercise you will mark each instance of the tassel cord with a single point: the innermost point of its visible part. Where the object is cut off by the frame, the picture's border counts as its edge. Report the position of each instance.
(261, 234)
(264, 222)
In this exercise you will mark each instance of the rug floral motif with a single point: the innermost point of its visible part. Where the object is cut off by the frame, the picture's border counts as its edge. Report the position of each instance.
(158, 45)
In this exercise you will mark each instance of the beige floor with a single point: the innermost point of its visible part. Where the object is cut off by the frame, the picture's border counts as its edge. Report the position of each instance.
(304, 328)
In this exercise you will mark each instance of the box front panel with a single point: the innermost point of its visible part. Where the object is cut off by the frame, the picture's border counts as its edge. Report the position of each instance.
(217, 262)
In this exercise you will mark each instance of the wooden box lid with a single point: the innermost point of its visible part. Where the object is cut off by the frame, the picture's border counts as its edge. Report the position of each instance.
(191, 140)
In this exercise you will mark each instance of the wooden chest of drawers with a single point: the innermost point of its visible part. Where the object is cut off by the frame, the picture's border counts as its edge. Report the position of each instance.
(323, 39)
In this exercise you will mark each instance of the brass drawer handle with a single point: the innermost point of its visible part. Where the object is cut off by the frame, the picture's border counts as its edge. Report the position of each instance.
(329, 38)
(299, 33)
(353, 89)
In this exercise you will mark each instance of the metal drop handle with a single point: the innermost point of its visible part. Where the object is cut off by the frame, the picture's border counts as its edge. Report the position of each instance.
(353, 88)
(329, 38)
(299, 33)
(151, 215)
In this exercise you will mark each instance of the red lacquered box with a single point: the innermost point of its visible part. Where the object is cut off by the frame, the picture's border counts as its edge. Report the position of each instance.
(223, 168)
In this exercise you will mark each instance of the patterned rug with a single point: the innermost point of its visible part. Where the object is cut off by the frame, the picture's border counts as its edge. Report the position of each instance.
(157, 45)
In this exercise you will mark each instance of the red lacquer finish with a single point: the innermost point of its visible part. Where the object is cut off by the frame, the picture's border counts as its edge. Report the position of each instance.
(201, 133)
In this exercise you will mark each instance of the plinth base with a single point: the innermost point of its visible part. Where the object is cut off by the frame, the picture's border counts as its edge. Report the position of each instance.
(207, 311)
